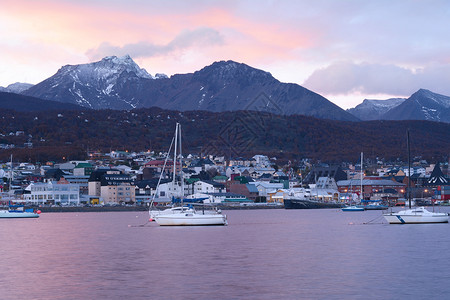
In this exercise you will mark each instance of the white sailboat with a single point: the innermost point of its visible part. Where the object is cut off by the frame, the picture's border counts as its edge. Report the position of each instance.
(418, 215)
(184, 215)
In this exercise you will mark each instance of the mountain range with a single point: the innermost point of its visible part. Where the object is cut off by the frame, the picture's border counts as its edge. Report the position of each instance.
(119, 83)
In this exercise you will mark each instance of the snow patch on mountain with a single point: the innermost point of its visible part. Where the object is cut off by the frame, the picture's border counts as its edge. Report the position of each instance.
(371, 109)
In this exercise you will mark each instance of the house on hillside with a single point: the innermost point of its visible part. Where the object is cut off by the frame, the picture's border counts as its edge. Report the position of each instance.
(316, 172)
(83, 169)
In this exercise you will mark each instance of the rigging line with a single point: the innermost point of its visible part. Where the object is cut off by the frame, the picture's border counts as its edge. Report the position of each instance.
(142, 225)
(162, 171)
(370, 222)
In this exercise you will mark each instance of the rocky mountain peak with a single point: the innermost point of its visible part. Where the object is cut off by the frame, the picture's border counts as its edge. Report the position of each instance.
(17, 87)
(229, 71)
(433, 99)
(110, 66)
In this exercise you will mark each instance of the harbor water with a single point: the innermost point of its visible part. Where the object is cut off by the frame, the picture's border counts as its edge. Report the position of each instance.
(261, 254)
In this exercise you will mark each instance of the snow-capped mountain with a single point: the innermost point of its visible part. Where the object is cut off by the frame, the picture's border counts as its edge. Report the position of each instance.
(17, 87)
(95, 85)
(118, 83)
(371, 109)
(422, 105)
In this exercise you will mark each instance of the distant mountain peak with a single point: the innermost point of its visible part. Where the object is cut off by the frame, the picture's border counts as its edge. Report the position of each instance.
(231, 71)
(371, 109)
(108, 67)
(439, 100)
(16, 88)
(422, 105)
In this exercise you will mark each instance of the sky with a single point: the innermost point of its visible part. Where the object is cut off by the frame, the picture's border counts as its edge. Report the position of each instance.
(345, 50)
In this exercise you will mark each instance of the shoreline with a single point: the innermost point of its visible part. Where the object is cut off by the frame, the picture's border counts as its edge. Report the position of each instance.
(118, 208)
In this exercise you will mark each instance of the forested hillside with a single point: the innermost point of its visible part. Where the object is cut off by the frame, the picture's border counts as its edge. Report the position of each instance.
(70, 134)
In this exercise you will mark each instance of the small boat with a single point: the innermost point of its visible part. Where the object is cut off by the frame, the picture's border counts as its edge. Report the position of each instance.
(18, 211)
(419, 215)
(373, 205)
(353, 208)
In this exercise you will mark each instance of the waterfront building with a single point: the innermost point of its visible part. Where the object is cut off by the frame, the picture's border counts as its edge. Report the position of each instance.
(111, 186)
(117, 188)
(82, 181)
(52, 193)
(248, 190)
(370, 187)
(265, 187)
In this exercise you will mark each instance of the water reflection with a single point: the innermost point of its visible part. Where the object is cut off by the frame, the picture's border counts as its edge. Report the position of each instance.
(262, 254)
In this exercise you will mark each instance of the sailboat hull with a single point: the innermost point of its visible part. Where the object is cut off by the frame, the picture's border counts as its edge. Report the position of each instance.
(4, 214)
(416, 216)
(191, 220)
(353, 208)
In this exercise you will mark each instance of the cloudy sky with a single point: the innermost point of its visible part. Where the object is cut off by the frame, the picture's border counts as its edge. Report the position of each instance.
(345, 50)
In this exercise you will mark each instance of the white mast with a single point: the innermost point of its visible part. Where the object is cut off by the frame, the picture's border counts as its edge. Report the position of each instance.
(181, 166)
(361, 188)
(175, 159)
(11, 175)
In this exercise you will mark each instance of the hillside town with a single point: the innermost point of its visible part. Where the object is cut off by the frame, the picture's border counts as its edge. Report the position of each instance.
(138, 179)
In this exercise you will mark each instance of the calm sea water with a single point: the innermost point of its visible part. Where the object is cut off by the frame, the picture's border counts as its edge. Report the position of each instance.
(262, 254)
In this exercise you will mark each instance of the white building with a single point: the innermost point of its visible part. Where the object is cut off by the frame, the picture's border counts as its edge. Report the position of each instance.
(208, 186)
(51, 192)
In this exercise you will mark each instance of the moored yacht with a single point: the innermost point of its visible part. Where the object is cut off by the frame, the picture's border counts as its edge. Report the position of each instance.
(183, 215)
(416, 215)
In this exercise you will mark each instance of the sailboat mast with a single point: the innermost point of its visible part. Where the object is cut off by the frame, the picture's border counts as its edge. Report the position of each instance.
(181, 166)
(409, 168)
(11, 174)
(361, 187)
(175, 158)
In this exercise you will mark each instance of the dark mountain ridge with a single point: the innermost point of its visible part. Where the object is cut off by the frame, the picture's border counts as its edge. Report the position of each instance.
(70, 134)
(22, 103)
